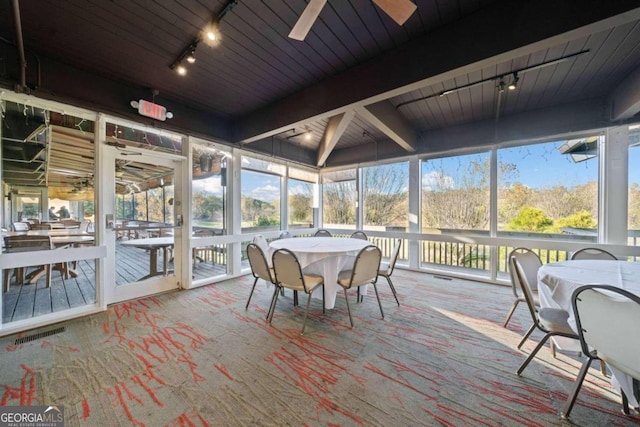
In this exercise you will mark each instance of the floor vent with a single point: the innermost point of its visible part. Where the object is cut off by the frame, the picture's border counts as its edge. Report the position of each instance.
(435, 276)
(39, 335)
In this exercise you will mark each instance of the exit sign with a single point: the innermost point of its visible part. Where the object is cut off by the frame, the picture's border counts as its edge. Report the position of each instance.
(149, 109)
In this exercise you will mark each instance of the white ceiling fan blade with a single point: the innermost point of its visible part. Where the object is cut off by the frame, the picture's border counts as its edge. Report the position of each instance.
(306, 20)
(398, 10)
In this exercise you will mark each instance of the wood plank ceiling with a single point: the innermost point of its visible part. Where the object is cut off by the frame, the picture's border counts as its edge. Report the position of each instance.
(357, 79)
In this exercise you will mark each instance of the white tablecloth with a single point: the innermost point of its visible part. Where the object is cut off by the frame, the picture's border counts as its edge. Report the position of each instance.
(557, 281)
(326, 256)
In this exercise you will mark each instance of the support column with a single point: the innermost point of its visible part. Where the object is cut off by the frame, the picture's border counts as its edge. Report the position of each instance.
(613, 186)
(414, 213)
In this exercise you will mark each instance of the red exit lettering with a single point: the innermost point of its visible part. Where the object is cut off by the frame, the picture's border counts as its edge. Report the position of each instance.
(152, 110)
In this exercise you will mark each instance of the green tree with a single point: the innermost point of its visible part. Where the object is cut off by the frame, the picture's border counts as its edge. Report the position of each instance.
(530, 219)
(300, 208)
(582, 219)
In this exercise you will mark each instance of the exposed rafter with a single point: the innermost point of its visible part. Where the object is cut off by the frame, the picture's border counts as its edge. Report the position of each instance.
(383, 116)
(332, 133)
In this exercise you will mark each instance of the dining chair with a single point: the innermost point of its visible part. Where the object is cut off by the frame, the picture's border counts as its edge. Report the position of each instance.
(607, 319)
(551, 321)
(41, 226)
(259, 268)
(531, 262)
(25, 244)
(386, 269)
(285, 234)
(322, 233)
(364, 272)
(262, 243)
(21, 226)
(592, 253)
(359, 235)
(288, 274)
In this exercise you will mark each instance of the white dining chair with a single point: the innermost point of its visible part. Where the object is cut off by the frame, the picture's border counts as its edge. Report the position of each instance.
(364, 272)
(288, 274)
(531, 263)
(592, 253)
(607, 319)
(550, 321)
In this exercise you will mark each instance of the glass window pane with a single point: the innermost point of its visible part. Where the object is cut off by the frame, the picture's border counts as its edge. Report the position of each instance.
(386, 197)
(261, 196)
(300, 203)
(209, 200)
(549, 188)
(339, 198)
(633, 218)
(455, 193)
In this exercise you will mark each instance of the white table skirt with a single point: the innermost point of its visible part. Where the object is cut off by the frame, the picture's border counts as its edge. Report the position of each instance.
(558, 281)
(326, 256)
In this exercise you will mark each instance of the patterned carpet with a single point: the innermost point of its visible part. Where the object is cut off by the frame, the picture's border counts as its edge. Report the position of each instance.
(197, 358)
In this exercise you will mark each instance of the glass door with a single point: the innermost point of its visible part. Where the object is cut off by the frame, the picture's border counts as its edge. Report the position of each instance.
(143, 229)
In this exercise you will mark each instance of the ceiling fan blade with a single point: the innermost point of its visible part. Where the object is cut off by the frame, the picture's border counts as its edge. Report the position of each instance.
(398, 10)
(306, 20)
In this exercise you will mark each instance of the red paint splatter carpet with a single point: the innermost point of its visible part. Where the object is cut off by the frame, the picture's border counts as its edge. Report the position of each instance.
(198, 358)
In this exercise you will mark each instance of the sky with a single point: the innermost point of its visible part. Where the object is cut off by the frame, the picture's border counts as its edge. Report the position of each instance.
(538, 166)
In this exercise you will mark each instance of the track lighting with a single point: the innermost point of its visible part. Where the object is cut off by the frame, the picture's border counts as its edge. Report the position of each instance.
(208, 34)
(191, 56)
(211, 35)
(501, 86)
(514, 83)
(307, 134)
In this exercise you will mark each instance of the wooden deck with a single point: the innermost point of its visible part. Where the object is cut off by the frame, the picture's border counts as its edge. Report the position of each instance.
(30, 300)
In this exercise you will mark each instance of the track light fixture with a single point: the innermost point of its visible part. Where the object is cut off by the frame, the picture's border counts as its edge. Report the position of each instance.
(307, 135)
(181, 69)
(514, 83)
(501, 86)
(191, 56)
(210, 33)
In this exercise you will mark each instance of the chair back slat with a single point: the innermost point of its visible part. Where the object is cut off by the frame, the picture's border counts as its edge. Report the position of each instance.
(359, 235)
(530, 263)
(287, 270)
(322, 233)
(365, 268)
(258, 262)
(525, 266)
(592, 253)
(27, 243)
(21, 226)
(394, 255)
(607, 318)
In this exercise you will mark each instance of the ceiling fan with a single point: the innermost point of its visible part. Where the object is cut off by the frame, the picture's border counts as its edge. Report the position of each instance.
(398, 10)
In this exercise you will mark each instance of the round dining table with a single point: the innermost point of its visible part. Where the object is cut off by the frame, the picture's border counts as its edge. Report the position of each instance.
(326, 256)
(557, 282)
